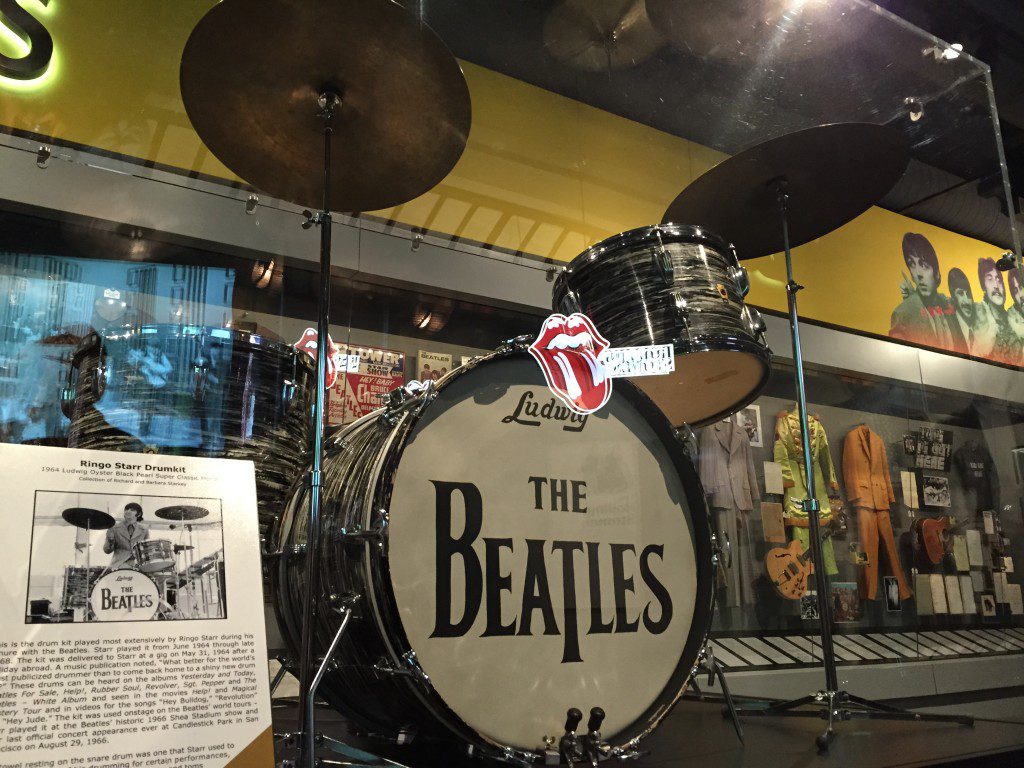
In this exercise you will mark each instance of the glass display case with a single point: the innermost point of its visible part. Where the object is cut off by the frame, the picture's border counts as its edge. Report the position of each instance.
(154, 301)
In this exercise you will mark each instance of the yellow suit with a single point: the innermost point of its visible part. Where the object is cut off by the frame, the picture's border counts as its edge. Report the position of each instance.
(789, 455)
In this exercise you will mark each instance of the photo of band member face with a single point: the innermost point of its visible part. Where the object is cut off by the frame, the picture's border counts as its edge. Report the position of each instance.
(970, 320)
(112, 557)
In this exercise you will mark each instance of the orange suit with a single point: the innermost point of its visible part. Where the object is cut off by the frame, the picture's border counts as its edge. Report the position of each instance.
(869, 491)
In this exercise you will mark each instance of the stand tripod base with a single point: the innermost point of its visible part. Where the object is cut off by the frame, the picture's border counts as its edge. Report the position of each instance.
(837, 706)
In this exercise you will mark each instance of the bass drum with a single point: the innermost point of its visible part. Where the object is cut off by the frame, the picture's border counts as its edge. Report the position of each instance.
(512, 560)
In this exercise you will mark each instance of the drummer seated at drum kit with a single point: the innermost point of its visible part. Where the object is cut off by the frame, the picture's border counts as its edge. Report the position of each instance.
(122, 538)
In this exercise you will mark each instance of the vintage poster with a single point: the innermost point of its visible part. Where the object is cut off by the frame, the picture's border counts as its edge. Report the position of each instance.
(132, 628)
(370, 374)
(430, 366)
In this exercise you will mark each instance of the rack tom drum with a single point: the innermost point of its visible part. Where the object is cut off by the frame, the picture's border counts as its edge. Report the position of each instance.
(680, 285)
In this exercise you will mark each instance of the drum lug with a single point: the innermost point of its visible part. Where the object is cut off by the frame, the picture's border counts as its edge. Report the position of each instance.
(398, 399)
(663, 261)
(757, 324)
(679, 305)
(410, 668)
(515, 344)
(741, 279)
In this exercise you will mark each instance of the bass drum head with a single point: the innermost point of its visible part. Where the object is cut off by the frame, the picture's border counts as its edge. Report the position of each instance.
(541, 561)
(710, 382)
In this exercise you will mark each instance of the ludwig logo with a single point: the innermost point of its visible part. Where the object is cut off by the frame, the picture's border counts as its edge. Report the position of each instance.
(569, 351)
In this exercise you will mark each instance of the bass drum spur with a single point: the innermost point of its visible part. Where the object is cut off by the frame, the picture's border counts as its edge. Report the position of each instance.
(508, 560)
(680, 285)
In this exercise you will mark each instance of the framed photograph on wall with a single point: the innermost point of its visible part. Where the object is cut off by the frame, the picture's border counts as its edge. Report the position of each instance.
(936, 491)
(845, 601)
(750, 419)
(892, 594)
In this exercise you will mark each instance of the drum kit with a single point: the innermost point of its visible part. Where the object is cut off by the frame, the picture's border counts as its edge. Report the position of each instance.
(189, 585)
(436, 542)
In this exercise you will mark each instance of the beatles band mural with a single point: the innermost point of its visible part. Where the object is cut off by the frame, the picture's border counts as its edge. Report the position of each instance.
(968, 321)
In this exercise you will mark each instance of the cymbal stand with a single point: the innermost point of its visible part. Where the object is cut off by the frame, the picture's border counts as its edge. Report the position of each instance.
(832, 703)
(328, 102)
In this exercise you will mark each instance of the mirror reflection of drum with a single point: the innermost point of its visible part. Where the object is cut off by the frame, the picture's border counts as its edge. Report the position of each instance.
(508, 562)
(195, 391)
(681, 285)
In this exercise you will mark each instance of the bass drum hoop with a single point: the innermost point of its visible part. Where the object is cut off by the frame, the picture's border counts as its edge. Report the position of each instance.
(378, 577)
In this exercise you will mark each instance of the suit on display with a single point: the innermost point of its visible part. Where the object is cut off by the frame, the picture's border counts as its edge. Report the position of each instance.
(869, 491)
(788, 454)
(726, 468)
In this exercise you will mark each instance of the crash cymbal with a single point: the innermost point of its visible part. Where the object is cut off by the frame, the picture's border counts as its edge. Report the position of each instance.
(182, 512)
(84, 517)
(832, 173)
(598, 35)
(251, 75)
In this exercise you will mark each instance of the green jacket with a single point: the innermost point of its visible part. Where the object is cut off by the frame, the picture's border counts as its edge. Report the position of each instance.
(789, 454)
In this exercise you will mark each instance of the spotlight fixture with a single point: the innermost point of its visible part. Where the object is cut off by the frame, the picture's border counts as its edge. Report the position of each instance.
(251, 203)
(43, 156)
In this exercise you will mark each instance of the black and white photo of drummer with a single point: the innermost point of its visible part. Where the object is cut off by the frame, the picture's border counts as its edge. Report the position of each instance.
(113, 557)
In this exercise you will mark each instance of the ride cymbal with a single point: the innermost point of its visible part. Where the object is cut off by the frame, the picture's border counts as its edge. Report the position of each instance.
(831, 174)
(251, 75)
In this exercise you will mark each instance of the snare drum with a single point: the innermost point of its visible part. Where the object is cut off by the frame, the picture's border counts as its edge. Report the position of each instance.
(196, 391)
(681, 285)
(154, 555)
(509, 560)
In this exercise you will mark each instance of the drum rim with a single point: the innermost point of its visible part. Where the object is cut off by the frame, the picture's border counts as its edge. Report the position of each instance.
(677, 233)
(390, 624)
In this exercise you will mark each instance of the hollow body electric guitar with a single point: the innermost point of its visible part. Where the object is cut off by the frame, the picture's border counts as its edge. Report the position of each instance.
(790, 567)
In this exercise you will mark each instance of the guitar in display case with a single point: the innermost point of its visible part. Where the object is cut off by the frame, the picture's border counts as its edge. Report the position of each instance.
(789, 568)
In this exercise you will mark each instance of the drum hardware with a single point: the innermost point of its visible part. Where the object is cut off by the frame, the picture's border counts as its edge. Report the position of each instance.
(411, 668)
(518, 342)
(376, 535)
(707, 662)
(748, 198)
(593, 747)
(568, 746)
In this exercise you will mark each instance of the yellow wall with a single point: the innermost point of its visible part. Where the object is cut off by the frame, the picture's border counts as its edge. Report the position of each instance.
(542, 174)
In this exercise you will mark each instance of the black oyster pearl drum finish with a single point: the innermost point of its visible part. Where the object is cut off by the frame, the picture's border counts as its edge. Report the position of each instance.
(196, 391)
(682, 285)
(507, 560)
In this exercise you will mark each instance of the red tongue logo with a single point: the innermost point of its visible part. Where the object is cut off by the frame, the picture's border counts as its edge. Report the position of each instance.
(307, 343)
(568, 350)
